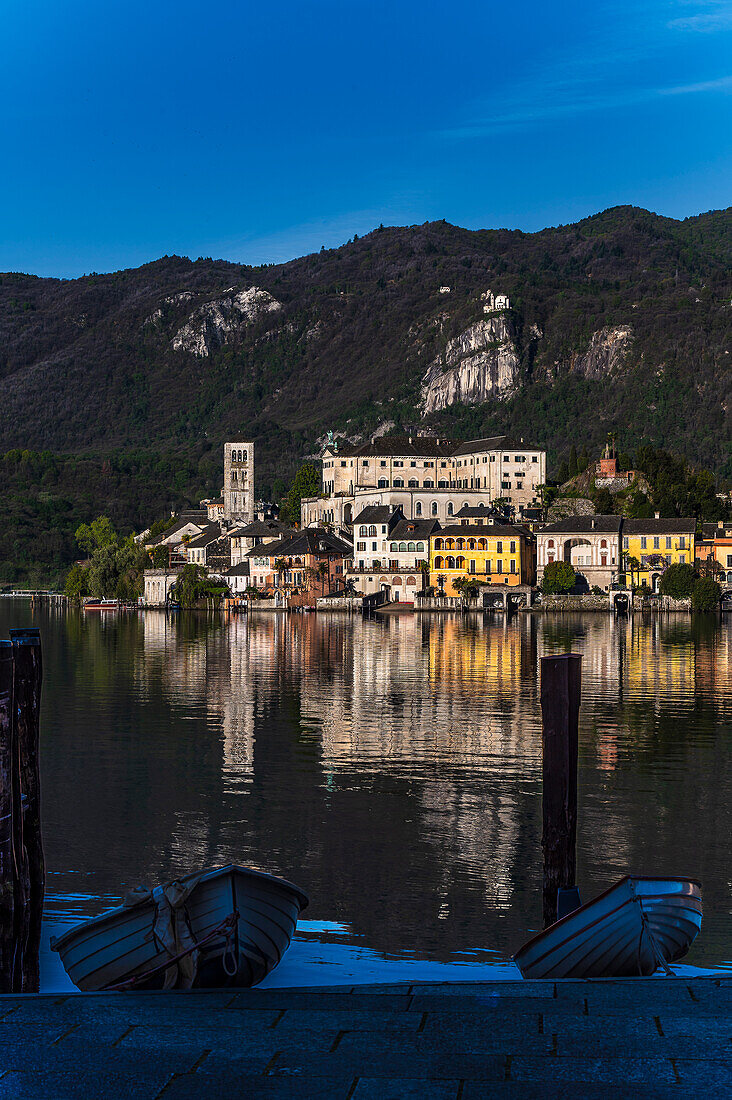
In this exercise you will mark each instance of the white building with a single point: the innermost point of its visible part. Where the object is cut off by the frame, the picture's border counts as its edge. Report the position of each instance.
(388, 552)
(428, 478)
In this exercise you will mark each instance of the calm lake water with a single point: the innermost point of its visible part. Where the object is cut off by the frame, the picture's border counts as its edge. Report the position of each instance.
(391, 767)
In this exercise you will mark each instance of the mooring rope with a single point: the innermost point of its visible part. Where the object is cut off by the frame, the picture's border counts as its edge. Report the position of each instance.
(227, 926)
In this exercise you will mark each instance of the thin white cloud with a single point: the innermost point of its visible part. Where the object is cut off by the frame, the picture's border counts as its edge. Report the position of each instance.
(564, 99)
(716, 16)
(705, 86)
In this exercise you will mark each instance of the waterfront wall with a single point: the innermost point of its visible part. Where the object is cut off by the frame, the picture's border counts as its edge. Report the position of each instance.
(586, 602)
(339, 603)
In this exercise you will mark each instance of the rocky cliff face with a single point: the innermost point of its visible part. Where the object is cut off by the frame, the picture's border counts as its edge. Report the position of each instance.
(214, 323)
(606, 352)
(480, 363)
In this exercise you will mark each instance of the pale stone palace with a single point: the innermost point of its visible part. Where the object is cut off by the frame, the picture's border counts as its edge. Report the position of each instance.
(426, 477)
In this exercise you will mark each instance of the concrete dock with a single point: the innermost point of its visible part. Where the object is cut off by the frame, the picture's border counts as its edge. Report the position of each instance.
(636, 1037)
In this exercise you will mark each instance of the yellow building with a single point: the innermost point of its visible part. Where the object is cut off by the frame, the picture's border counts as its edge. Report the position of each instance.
(654, 544)
(488, 553)
(723, 553)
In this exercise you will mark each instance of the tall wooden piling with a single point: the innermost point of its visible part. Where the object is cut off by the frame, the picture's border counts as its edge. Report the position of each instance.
(7, 862)
(561, 691)
(27, 681)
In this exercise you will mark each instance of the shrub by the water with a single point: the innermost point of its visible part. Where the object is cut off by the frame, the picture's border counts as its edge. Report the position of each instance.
(678, 581)
(705, 595)
(559, 577)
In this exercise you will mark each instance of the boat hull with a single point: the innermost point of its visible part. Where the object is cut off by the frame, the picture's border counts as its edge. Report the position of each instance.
(242, 920)
(628, 931)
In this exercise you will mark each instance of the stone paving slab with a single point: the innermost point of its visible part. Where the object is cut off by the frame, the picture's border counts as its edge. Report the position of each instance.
(544, 1039)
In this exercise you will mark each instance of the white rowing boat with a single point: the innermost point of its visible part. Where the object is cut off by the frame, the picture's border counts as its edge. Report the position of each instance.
(635, 927)
(225, 927)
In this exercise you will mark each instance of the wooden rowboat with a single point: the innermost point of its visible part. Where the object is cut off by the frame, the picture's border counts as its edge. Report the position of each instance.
(224, 927)
(631, 929)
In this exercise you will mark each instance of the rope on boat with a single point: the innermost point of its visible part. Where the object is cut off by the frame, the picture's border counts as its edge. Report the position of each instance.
(657, 954)
(227, 926)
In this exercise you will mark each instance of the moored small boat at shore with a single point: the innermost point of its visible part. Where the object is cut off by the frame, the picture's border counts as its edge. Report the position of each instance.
(101, 605)
(630, 930)
(228, 926)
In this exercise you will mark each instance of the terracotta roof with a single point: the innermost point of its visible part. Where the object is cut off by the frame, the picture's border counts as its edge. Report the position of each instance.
(378, 513)
(684, 526)
(494, 530)
(415, 528)
(584, 525)
(494, 443)
(415, 446)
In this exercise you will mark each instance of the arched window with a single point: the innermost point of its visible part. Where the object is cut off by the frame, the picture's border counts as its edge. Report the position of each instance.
(363, 531)
(460, 544)
(433, 508)
(372, 530)
(429, 484)
(438, 544)
(383, 483)
(442, 484)
(394, 547)
(411, 580)
(413, 483)
(482, 544)
(550, 544)
(449, 544)
(420, 548)
(438, 563)
(402, 547)
(465, 504)
(603, 544)
(450, 508)
(418, 508)
(460, 563)
(398, 482)
(449, 563)
(471, 544)
(411, 548)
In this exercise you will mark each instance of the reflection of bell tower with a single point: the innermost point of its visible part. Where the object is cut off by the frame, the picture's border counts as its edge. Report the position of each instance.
(239, 481)
(609, 460)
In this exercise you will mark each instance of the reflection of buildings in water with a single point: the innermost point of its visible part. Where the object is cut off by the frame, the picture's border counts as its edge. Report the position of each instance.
(660, 661)
(478, 829)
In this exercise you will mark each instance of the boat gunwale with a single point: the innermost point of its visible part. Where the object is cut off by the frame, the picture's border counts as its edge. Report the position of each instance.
(598, 897)
(58, 943)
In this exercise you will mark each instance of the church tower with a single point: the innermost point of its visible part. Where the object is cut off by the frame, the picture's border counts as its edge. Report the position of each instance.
(239, 482)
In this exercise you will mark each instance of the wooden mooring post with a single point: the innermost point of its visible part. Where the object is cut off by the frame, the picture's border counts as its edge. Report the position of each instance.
(27, 681)
(22, 872)
(7, 861)
(561, 691)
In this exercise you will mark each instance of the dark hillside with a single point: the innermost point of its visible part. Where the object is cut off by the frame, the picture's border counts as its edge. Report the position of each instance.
(88, 367)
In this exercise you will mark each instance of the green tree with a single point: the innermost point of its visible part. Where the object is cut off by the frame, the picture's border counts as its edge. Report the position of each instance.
(678, 581)
(573, 466)
(77, 582)
(192, 585)
(559, 577)
(306, 484)
(96, 535)
(705, 595)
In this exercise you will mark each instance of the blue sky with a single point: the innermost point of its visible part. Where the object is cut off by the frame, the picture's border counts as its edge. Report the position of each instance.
(257, 132)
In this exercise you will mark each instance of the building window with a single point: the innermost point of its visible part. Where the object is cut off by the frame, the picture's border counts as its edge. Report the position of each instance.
(433, 508)
(372, 530)
(513, 565)
(429, 484)
(398, 482)
(418, 508)
(413, 483)
(656, 543)
(644, 542)
(668, 543)
(472, 565)
(625, 542)
(499, 547)
(420, 548)
(513, 547)
(499, 567)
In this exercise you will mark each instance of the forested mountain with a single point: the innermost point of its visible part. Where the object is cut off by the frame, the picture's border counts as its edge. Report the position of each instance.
(128, 383)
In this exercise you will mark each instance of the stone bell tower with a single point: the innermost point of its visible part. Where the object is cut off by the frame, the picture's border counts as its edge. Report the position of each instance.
(239, 482)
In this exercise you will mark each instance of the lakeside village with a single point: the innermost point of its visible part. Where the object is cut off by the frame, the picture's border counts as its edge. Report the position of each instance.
(425, 523)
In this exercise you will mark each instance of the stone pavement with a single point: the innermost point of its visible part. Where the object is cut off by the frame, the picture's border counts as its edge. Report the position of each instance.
(635, 1037)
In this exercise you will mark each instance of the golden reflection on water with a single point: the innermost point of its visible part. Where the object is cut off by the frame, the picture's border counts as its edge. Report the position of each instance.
(391, 766)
